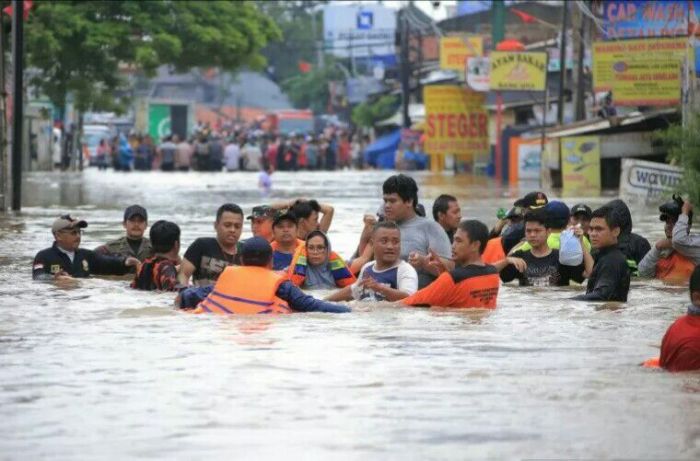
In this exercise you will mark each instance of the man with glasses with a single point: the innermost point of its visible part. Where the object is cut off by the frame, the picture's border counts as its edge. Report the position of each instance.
(65, 260)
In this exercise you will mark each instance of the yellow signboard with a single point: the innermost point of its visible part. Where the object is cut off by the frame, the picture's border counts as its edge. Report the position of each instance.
(518, 70)
(580, 156)
(454, 51)
(644, 72)
(456, 121)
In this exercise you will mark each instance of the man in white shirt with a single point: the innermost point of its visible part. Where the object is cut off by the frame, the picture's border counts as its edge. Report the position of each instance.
(232, 155)
(387, 278)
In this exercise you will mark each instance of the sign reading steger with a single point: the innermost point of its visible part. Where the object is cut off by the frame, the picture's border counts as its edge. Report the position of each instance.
(456, 121)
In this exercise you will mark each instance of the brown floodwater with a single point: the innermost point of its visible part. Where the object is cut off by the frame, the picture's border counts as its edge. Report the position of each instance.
(97, 370)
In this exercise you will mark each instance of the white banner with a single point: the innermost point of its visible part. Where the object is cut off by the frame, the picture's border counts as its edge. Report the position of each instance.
(648, 180)
(478, 73)
(360, 31)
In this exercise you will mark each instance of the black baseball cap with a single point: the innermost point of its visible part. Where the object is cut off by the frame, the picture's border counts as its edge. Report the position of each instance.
(582, 208)
(515, 212)
(262, 211)
(286, 216)
(534, 200)
(671, 210)
(256, 251)
(135, 210)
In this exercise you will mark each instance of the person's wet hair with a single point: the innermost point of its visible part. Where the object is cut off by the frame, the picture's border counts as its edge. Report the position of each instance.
(228, 208)
(404, 186)
(442, 204)
(164, 235)
(609, 215)
(477, 232)
(695, 280)
(538, 216)
(385, 225)
(302, 209)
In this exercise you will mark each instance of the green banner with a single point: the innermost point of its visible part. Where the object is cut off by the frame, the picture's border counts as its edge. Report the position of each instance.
(158, 121)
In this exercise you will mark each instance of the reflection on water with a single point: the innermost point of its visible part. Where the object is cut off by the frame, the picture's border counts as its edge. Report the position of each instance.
(96, 370)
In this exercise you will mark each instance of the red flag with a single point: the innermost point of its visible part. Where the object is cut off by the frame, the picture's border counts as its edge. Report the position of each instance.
(26, 6)
(304, 67)
(526, 18)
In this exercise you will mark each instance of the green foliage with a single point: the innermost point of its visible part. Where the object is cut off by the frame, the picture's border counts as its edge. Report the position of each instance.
(82, 46)
(683, 145)
(311, 90)
(368, 113)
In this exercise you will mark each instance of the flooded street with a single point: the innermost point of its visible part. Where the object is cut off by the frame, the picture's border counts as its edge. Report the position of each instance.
(97, 370)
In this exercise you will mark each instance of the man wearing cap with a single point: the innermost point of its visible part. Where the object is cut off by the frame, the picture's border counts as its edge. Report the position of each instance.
(285, 243)
(254, 288)
(662, 261)
(557, 219)
(581, 215)
(65, 260)
(133, 243)
(516, 233)
(261, 221)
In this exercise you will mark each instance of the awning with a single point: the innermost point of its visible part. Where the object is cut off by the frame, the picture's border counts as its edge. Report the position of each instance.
(382, 152)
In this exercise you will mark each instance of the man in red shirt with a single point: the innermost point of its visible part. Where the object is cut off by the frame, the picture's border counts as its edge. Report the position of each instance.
(680, 348)
(472, 283)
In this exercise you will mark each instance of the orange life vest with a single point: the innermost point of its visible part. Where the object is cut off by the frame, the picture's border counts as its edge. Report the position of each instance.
(245, 290)
(493, 251)
(675, 268)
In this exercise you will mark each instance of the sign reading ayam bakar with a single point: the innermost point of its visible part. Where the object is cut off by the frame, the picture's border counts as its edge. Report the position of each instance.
(518, 70)
(456, 121)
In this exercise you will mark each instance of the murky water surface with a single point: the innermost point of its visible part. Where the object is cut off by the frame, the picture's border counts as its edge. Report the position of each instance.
(96, 370)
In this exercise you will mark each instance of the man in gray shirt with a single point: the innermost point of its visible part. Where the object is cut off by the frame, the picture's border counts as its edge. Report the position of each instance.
(682, 240)
(419, 236)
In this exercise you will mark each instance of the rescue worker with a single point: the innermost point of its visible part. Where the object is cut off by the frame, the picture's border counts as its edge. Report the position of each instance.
(254, 288)
(471, 283)
(66, 260)
(447, 213)
(610, 279)
(133, 243)
(387, 278)
(680, 348)
(159, 272)
(285, 243)
(662, 261)
(207, 257)
(261, 221)
(683, 241)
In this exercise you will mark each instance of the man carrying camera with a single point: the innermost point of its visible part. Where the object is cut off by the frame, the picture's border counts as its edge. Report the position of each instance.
(673, 258)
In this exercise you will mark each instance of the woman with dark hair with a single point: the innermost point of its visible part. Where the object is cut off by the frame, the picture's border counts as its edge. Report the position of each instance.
(316, 266)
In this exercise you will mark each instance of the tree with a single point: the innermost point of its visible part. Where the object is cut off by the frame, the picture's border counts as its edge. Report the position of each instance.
(683, 145)
(310, 90)
(82, 47)
(370, 112)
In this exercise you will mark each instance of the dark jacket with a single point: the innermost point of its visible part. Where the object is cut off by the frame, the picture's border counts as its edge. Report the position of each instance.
(297, 299)
(632, 245)
(610, 279)
(50, 261)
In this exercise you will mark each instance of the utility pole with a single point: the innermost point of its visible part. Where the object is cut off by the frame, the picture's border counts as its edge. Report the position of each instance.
(580, 41)
(498, 11)
(18, 101)
(3, 117)
(562, 63)
(405, 70)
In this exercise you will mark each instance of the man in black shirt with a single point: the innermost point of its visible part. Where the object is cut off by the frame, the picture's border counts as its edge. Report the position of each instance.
(207, 257)
(539, 266)
(447, 213)
(66, 260)
(610, 279)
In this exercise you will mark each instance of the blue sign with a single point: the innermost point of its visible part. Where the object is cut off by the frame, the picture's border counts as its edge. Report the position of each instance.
(365, 20)
(645, 18)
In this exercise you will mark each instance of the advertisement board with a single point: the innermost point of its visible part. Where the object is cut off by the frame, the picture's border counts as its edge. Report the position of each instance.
(478, 74)
(366, 30)
(456, 121)
(518, 70)
(580, 156)
(648, 180)
(625, 19)
(454, 51)
(640, 72)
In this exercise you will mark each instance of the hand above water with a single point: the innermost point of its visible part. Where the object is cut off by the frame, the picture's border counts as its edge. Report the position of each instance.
(687, 208)
(664, 244)
(519, 263)
(435, 261)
